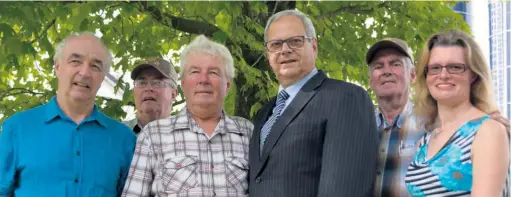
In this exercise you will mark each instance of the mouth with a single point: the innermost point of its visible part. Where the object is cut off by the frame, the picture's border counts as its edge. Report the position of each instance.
(83, 85)
(444, 85)
(204, 92)
(387, 82)
(288, 61)
(148, 98)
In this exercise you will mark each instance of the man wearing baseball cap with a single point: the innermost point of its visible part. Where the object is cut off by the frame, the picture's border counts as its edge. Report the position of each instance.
(155, 90)
(391, 72)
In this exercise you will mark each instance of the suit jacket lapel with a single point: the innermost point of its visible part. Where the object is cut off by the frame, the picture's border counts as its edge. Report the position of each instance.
(301, 99)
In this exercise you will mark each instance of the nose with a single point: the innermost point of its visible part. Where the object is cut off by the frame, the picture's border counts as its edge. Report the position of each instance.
(444, 74)
(285, 49)
(85, 71)
(204, 78)
(386, 69)
(149, 88)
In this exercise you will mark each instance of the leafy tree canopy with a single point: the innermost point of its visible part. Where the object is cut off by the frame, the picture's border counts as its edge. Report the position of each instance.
(29, 32)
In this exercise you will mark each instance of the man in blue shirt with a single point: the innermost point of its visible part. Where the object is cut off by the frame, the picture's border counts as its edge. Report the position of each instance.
(67, 147)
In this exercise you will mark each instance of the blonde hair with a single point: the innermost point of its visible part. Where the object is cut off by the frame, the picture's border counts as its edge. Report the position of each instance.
(481, 90)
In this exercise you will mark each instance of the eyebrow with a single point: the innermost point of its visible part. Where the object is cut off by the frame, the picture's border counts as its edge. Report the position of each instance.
(75, 56)
(396, 60)
(79, 56)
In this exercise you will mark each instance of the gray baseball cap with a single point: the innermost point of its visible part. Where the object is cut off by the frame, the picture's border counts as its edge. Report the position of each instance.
(393, 43)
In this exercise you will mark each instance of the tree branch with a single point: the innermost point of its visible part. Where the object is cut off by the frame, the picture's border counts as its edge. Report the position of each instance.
(18, 91)
(181, 24)
(45, 29)
(354, 9)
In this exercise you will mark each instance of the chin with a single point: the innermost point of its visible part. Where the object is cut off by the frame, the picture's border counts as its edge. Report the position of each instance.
(447, 99)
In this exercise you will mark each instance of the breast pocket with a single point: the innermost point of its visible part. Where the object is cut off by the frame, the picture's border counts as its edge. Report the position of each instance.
(236, 173)
(179, 174)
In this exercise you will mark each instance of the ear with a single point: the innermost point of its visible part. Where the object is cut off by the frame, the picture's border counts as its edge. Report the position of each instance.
(228, 87)
(474, 79)
(315, 47)
(174, 93)
(412, 76)
(57, 67)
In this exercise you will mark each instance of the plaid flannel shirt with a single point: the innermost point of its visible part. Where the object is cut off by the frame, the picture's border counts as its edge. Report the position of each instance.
(398, 142)
(175, 157)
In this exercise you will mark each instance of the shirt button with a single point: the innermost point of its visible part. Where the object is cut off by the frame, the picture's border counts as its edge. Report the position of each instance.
(378, 173)
(214, 193)
(78, 153)
(258, 180)
(382, 150)
(76, 180)
(212, 166)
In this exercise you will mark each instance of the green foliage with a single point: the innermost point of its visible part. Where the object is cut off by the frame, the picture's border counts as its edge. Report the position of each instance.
(29, 32)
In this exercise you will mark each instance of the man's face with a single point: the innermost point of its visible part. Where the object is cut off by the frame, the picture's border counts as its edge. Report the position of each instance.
(389, 75)
(204, 80)
(154, 94)
(291, 64)
(81, 68)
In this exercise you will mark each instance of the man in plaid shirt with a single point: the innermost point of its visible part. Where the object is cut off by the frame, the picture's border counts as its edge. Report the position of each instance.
(201, 151)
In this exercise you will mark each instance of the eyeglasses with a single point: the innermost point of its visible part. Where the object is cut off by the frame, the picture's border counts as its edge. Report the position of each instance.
(451, 69)
(294, 42)
(139, 83)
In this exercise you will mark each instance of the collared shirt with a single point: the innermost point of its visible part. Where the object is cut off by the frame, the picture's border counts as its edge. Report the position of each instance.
(45, 153)
(397, 149)
(175, 157)
(293, 89)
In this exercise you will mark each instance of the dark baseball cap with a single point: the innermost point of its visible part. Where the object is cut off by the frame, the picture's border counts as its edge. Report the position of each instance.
(393, 43)
(163, 66)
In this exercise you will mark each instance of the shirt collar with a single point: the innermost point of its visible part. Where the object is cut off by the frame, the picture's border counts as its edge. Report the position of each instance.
(184, 120)
(54, 111)
(294, 88)
(381, 120)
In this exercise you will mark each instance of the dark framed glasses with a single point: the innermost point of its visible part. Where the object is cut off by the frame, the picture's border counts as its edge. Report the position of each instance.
(436, 69)
(294, 42)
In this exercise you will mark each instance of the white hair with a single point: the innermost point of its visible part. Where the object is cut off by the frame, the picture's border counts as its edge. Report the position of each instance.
(60, 47)
(202, 44)
(307, 22)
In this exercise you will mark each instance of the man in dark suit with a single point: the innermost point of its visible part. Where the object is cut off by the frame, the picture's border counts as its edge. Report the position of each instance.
(318, 136)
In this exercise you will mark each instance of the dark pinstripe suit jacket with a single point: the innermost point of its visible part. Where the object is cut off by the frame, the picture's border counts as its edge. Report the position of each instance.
(324, 144)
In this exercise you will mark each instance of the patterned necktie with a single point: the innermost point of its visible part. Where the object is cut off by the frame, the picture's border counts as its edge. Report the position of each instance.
(279, 106)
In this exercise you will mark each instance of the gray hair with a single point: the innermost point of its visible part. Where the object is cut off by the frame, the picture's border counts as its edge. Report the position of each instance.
(60, 47)
(409, 64)
(307, 22)
(202, 44)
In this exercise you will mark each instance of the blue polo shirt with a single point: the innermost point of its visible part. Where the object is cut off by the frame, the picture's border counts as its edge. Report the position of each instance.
(44, 153)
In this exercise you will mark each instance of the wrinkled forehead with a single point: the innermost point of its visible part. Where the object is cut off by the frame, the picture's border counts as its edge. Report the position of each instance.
(204, 61)
(389, 53)
(86, 46)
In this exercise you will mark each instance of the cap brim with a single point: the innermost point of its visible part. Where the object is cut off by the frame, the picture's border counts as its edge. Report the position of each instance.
(141, 67)
(383, 44)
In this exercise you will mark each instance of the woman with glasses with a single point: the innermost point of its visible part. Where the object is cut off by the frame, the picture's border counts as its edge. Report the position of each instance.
(465, 152)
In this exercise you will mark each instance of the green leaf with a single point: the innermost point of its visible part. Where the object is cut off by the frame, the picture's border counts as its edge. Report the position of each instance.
(220, 37)
(84, 25)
